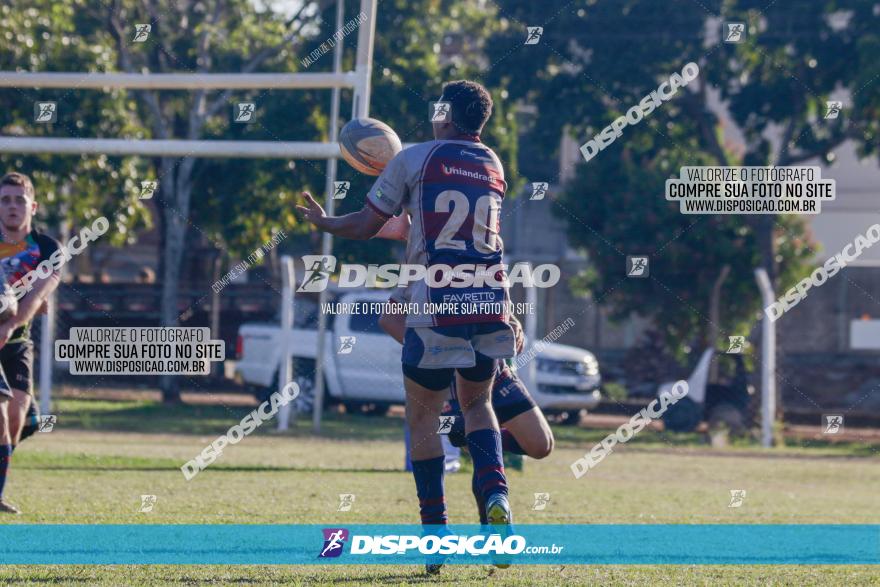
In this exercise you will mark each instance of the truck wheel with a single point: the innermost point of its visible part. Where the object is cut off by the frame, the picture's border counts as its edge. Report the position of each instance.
(572, 418)
(366, 408)
(305, 401)
(376, 409)
(352, 407)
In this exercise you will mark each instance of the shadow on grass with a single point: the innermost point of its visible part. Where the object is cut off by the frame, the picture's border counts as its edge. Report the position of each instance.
(150, 417)
(207, 420)
(301, 576)
(579, 437)
(243, 469)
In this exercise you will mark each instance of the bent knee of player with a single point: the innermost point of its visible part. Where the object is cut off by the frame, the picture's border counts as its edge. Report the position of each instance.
(549, 444)
(533, 434)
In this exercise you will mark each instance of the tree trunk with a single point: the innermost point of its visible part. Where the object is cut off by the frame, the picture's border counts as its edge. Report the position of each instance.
(176, 188)
(715, 318)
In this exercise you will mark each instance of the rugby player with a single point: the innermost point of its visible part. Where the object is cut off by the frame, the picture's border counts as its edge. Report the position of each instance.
(22, 249)
(524, 429)
(452, 188)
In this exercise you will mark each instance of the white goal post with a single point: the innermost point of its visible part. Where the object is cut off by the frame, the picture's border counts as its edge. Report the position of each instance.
(358, 80)
(768, 361)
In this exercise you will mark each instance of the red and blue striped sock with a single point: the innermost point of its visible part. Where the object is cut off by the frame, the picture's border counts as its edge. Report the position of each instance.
(5, 456)
(485, 449)
(510, 444)
(428, 474)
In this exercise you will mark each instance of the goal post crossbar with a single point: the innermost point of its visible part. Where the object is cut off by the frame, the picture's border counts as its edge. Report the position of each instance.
(171, 148)
(179, 81)
(357, 80)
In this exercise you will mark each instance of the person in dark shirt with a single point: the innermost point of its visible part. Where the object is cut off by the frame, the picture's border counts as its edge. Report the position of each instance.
(22, 249)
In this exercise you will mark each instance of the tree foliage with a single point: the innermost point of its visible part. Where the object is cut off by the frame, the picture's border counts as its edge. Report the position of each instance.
(41, 35)
(595, 62)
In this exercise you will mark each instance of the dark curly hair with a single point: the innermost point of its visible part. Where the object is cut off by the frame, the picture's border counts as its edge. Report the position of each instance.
(471, 105)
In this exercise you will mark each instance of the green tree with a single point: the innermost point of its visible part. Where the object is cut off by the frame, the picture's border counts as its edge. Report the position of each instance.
(41, 35)
(196, 37)
(595, 62)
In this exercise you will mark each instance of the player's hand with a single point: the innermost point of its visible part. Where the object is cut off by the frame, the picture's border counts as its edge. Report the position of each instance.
(518, 334)
(312, 211)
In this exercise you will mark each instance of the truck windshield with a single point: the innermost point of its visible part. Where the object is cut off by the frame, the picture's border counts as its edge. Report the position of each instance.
(305, 314)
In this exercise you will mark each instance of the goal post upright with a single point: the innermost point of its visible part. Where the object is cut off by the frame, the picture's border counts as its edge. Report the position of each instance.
(364, 60)
(360, 109)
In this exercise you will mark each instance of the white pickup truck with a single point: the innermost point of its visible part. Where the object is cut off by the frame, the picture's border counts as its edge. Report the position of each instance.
(362, 363)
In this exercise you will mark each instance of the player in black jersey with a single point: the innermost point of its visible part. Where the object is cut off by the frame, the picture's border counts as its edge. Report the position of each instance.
(24, 258)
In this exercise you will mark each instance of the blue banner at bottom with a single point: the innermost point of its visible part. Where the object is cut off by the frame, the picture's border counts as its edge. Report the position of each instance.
(640, 544)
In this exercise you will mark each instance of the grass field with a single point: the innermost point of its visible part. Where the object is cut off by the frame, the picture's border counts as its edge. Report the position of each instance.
(104, 454)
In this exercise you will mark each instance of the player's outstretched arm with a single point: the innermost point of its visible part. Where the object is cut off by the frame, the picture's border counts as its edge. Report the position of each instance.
(29, 306)
(360, 225)
(396, 228)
